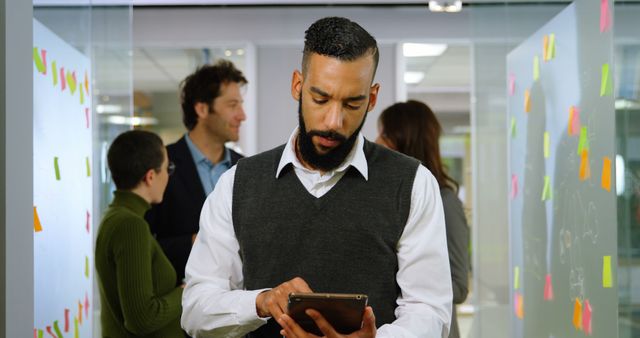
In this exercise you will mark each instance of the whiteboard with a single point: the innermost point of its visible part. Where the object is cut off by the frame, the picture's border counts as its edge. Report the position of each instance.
(62, 188)
(562, 209)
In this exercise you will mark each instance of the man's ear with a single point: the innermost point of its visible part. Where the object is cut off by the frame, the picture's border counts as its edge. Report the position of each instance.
(148, 177)
(296, 84)
(202, 109)
(373, 96)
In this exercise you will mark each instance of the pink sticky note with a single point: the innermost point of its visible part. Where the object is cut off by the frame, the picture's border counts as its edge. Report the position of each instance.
(51, 332)
(88, 218)
(44, 60)
(512, 84)
(586, 317)
(63, 79)
(86, 305)
(66, 320)
(514, 186)
(548, 288)
(576, 121)
(86, 115)
(605, 16)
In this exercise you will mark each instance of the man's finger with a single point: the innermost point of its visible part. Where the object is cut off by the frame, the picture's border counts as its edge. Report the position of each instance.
(292, 329)
(322, 323)
(369, 322)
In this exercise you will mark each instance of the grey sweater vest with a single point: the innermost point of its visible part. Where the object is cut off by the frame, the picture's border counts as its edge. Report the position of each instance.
(343, 242)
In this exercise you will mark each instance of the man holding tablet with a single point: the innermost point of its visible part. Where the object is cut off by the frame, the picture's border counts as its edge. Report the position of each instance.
(326, 212)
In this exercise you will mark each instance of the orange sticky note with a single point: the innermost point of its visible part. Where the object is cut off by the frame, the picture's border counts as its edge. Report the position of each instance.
(585, 171)
(577, 314)
(545, 47)
(519, 306)
(606, 272)
(80, 311)
(548, 288)
(37, 226)
(86, 82)
(606, 173)
(527, 101)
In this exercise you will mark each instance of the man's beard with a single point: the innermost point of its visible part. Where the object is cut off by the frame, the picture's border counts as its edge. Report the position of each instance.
(334, 157)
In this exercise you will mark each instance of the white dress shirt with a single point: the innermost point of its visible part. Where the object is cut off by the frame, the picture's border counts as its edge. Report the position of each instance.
(215, 303)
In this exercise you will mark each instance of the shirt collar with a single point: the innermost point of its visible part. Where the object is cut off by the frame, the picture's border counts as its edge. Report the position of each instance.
(198, 156)
(355, 158)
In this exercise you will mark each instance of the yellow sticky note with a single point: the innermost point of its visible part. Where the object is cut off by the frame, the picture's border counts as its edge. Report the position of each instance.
(577, 314)
(606, 83)
(76, 330)
(545, 47)
(536, 68)
(86, 266)
(606, 272)
(513, 127)
(81, 96)
(606, 173)
(527, 101)
(37, 226)
(86, 82)
(546, 191)
(585, 170)
(37, 59)
(88, 164)
(516, 277)
(583, 142)
(54, 72)
(551, 50)
(546, 144)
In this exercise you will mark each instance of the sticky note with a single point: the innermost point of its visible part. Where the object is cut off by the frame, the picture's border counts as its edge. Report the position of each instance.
(586, 317)
(43, 54)
(546, 191)
(513, 127)
(512, 84)
(37, 60)
(551, 50)
(518, 305)
(56, 167)
(81, 96)
(606, 272)
(536, 68)
(548, 288)
(546, 144)
(583, 142)
(514, 186)
(86, 305)
(66, 320)
(80, 312)
(57, 329)
(574, 120)
(606, 83)
(76, 329)
(50, 332)
(605, 16)
(63, 80)
(545, 47)
(88, 166)
(88, 221)
(54, 72)
(86, 116)
(86, 266)
(606, 173)
(37, 226)
(585, 170)
(86, 82)
(71, 82)
(516, 277)
(577, 314)
(527, 101)
(40, 333)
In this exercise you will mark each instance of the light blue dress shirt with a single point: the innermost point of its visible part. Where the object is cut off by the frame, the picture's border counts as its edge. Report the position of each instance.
(208, 171)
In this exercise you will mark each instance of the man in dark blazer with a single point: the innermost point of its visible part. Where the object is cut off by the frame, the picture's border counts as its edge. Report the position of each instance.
(212, 112)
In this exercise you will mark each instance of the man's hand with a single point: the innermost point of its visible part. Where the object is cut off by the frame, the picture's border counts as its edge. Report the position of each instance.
(273, 303)
(291, 329)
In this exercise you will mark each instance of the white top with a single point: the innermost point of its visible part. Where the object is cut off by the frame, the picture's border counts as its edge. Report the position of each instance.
(215, 303)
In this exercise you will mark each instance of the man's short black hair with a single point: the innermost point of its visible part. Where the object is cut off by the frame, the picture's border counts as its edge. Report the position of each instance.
(204, 86)
(339, 38)
(131, 155)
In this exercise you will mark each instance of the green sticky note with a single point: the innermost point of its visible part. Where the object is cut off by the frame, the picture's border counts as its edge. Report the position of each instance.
(606, 272)
(546, 191)
(38, 61)
(546, 144)
(513, 127)
(56, 167)
(583, 143)
(86, 266)
(57, 329)
(40, 333)
(516, 277)
(54, 72)
(76, 329)
(536, 68)
(88, 164)
(606, 83)
(551, 50)
(71, 82)
(81, 96)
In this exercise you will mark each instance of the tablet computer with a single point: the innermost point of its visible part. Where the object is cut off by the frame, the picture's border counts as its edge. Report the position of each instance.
(343, 311)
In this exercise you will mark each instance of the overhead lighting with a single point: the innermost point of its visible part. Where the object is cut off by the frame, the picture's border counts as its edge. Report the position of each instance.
(413, 77)
(227, 53)
(132, 121)
(423, 49)
(620, 175)
(108, 109)
(445, 6)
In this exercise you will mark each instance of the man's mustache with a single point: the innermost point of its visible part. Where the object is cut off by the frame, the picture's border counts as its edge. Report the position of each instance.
(328, 134)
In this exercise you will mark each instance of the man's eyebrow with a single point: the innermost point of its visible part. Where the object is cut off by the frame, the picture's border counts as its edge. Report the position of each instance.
(323, 93)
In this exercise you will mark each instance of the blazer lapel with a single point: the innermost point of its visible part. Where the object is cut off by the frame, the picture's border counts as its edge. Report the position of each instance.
(186, 170)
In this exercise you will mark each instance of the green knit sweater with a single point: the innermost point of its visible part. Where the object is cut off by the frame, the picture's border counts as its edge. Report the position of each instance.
(137, 281)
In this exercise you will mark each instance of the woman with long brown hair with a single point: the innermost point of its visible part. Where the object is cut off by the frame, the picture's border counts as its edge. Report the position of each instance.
(413, 129)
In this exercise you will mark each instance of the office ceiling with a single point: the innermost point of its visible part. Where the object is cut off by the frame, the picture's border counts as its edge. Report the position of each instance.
(261, 2)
